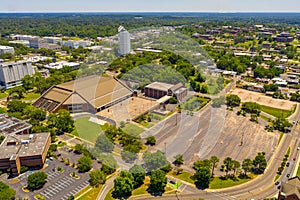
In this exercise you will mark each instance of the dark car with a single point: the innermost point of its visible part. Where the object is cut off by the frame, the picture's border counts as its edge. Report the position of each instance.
(277, 183)
(287, 164)
(288, 175)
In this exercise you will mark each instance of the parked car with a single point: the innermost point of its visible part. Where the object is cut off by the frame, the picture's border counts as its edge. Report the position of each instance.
(277, 183)
(288, 175)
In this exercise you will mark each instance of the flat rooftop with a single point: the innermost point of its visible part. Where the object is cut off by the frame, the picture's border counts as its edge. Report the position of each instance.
(5, 47)
(23, 145)
(11, 125)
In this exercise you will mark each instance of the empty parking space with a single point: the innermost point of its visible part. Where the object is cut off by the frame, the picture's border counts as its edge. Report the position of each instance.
(65, 186)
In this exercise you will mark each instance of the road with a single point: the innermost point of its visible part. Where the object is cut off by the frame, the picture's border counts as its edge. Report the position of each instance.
(106, 187)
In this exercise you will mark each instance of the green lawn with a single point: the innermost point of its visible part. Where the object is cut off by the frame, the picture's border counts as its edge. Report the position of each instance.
(87, 130)
(218, 183)
(195, 103)
(185, 176)
(109, 195)
(298, 171)
(132, 129)
(31, 96)
(146, 124)
(277, 112)
(3, 95)
(92, 194)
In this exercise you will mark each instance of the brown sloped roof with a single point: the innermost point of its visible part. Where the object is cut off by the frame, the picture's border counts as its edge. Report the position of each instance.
(57, 94)
(96, 90)
(292, 186)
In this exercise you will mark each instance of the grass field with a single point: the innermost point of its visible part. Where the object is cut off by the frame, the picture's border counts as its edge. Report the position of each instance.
(218, 183)
(109, 195)
(298, 171)
(132, 129)
(277, 112)
(92, 194)
(31, 96)
(87, 130)
(185, 176)
(3, 95)
(195, 103)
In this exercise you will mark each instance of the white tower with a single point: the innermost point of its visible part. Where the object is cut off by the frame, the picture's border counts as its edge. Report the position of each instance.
(124, 41)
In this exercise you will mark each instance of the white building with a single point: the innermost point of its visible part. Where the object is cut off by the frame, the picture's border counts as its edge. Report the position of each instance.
(124, 41)
(23, 42)
(6, 49)
(11, 73)
(60, 65)
(53, 40)
(74, 44)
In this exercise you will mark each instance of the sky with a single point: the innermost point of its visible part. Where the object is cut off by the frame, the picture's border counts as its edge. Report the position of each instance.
(149, 6)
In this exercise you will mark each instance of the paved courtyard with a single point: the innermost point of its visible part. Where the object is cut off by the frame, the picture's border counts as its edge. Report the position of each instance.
(129, 109)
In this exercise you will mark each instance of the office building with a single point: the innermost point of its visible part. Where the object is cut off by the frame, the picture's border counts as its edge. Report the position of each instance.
(158, 90)
(11, 73)
(24, 150)
(6, 49)
(53, 40)
(124, 41)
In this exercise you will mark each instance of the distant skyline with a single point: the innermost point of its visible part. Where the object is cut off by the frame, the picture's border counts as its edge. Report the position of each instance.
(150, 6)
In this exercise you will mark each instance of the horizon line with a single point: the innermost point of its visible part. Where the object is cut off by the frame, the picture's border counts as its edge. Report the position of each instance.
(219, 12)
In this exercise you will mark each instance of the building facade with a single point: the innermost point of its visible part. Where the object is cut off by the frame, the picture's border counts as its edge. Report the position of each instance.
(24, 150)
(11, 73)
(124, 41)
(158, 90)
(6, 49)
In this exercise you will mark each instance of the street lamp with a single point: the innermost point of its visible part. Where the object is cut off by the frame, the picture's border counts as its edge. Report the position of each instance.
(165, 148)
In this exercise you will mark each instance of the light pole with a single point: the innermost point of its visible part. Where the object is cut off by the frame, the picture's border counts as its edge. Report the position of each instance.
(165, 148)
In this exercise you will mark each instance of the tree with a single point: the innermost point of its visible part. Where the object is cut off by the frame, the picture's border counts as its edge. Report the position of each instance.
(260, 163)
(203, 177)
(123, 185)
(247, 165)
(79, 148)
(214, 160)
(19, 90)
(281, 124)
(16, 106)
(62, 121)
(218, 102)
(109, 164)
(84, 164)
(104, 144)
(6, 193)
(228, 164)
(128, 156)
(158, 181)
(235, 166)
(36, 180)
(28, 82)
(252, 108)
(138, 174)
(151, 140)
(178, 160)
(154, 161)
(202, 163)
(233, 100)
(97, 177)
(70, 197)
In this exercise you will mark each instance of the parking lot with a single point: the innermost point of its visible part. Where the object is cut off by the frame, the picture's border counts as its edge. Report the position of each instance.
(60, 185)
(60, 188)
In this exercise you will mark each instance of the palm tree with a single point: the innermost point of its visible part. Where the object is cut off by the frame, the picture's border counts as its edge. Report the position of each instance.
(214, 163)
